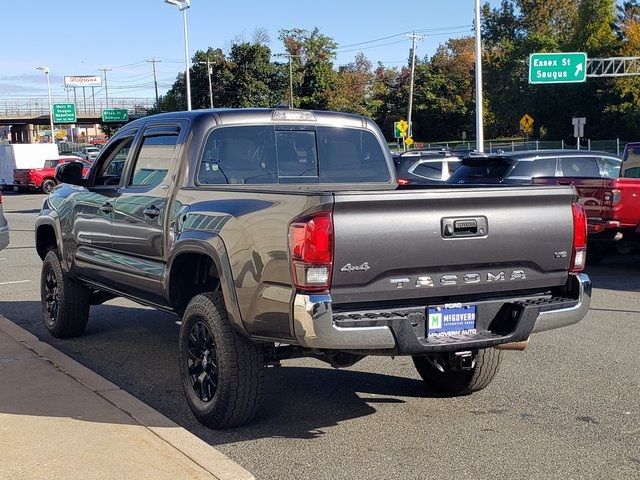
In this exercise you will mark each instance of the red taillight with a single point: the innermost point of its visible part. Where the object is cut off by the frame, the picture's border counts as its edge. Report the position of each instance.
(611, 197)
(311, 250)
(0, 198)
(579, 253)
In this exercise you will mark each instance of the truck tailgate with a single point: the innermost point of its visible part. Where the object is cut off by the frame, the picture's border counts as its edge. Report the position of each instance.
(419, 244)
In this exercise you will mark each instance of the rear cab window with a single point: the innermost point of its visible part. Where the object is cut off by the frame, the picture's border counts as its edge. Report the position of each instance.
(291, 154)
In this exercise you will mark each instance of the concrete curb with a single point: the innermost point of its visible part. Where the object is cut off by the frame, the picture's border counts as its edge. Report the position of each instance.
(198, 451)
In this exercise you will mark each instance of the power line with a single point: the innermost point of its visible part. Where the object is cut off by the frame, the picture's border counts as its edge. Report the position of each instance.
(423, 30)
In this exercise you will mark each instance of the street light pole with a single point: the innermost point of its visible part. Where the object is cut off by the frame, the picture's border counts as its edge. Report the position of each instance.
(479, 106)
(47, 71)
(209, 72)
(183, 5)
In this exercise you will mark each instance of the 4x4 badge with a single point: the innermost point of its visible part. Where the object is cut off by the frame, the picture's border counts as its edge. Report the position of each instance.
(355, 268)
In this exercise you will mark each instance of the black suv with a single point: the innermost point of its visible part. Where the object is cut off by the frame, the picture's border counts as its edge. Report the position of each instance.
(521, 167)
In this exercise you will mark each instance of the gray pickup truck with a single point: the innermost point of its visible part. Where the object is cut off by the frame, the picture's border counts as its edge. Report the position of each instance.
(278, 234)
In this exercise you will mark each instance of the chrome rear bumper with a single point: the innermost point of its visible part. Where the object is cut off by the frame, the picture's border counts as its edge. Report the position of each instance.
(315, 326)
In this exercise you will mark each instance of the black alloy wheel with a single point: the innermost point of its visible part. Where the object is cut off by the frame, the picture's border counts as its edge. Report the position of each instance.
(51, 295)
(48, 185)
(202, 361)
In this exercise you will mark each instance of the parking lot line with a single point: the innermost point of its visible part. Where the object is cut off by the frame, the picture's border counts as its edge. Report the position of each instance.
(14, 282)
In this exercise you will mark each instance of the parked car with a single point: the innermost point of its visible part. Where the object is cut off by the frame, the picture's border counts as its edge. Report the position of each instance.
(90, 153)
(631, 161)
(279, 234)
(43, 179)
(423, 168)
(522, 167)
(4, 228)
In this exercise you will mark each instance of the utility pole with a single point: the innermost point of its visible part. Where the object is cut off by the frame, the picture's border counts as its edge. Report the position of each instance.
(209, 72)
(479, 106)
(290, 57)
(153, 61)
(413, 38)
(106, 88)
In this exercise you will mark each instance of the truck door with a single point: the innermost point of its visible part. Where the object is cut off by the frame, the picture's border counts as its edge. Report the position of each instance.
(93, 214)
(140, 214)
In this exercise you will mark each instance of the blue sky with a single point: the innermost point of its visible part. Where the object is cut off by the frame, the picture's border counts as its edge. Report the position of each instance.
(77, 37)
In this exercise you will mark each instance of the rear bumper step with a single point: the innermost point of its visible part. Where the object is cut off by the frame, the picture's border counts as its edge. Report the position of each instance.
(402, 331)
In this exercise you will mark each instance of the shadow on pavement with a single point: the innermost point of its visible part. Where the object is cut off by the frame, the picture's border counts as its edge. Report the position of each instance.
(136, 348)
(619, 272)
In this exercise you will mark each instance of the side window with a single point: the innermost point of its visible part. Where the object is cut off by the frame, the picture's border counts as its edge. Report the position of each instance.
(431, 170)
(542, 167)
(239, 155)
(154, 160)
(611, 167)
(453, 165)
(579, 167)
(51, 163)
(110, 170)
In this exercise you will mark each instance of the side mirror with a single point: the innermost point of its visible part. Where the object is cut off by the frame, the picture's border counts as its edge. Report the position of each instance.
(70, 172)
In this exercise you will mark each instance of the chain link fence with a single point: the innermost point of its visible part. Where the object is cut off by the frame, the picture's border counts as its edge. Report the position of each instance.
(615, 147)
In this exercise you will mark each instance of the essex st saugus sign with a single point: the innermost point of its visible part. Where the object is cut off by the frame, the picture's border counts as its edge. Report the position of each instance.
(557, 67)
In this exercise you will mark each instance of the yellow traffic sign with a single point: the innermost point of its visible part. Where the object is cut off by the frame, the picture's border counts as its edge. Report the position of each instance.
(408, 141)
(526, 123)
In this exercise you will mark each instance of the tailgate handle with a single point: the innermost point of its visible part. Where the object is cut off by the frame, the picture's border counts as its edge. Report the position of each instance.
(464, 227)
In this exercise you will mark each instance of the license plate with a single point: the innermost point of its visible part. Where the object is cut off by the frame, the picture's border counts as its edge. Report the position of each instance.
(451, 320)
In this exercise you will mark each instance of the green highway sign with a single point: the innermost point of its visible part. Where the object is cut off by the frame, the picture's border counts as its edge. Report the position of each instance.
(64, 113)
(115, 115)
(557, 68)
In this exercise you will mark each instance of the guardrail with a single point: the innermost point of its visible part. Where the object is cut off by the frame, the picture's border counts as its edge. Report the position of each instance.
(36, 107)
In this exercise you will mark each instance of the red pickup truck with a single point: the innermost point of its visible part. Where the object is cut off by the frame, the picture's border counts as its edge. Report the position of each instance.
(44, 178)
(613, 212)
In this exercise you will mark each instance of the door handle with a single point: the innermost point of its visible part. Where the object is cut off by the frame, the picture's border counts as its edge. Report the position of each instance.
(151, 211)
(106, 207)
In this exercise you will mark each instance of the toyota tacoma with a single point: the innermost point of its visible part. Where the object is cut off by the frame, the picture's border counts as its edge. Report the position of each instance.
(278, 234)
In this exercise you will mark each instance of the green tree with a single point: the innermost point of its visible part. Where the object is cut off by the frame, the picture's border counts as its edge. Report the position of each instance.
(594, 31)
(253, 73)
(351, 90)
(313, 59)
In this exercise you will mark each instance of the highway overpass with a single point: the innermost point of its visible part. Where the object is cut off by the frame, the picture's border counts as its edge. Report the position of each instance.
(22, 114)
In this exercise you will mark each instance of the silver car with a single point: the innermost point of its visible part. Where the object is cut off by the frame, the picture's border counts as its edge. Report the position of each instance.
(4, 228)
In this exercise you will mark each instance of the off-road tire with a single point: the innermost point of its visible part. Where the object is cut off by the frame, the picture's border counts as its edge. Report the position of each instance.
(238, 361)
(48, 185)
(595, 255)
(71, 298)
(454, 382)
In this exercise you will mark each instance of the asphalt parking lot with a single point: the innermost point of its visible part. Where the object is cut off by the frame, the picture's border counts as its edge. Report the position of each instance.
(567, 407)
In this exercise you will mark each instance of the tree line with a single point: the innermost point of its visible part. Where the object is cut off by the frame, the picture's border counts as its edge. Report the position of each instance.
(444, 103)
